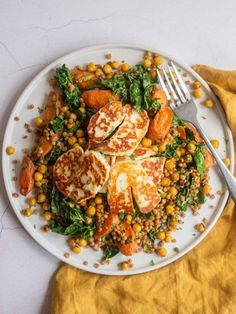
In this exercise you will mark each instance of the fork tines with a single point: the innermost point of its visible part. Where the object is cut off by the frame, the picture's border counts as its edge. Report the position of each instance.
(173, 85)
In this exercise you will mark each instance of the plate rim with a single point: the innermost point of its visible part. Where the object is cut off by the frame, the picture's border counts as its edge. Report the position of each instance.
(49, 247)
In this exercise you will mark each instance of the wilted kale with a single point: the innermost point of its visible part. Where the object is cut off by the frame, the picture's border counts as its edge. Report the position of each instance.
(64, 79)
(57, 124)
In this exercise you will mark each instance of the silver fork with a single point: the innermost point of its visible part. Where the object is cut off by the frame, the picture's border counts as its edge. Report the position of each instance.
(184, 106)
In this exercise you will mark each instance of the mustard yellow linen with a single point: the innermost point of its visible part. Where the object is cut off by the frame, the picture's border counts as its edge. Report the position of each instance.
(202, 282)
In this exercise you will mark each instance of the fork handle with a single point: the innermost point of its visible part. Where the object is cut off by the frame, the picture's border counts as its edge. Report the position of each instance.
(228, 176)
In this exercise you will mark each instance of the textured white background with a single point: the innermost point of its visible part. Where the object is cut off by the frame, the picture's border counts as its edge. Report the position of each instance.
(34, 33)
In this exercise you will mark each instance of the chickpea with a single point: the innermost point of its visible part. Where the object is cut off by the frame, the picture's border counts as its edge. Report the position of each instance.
(191, 147)
(91, 67)
(47, 215)
(137, 228)
(170, 209)
(83, 203)
(196, 85)
(215, 143)
(161, 251)
(188, 158)
(32, 201)
(109, 76)
(128, 218)
(80, 133)
(27, 212)
(173, 191)
(208, 103)
(175, 176)
(82, 242)
(46, 206)
(178, 152)
(115, 65)
(71, 140)
(170, 164)
(43, 169)
(98, 200)
(107, 69)
(168, 238)
(38, 122)
(206, 189)
(76, 249)
(200, 228)
(147, 63)
(64, 109)
(76, 145)
(91, 211)
(10, 150)
(82, 141)
(161, 235)
(41, 198)
(99, 73)
(165, 181)
(73, 116)
(182, 151)
(124, 265)
(162, 148)
(146, 142)
(226, 161)
(158, 60)
(125, 67)
(82, 109)
(197, 93)
(38, 176)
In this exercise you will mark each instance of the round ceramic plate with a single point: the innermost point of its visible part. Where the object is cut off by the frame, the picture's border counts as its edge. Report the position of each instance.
(212, 120)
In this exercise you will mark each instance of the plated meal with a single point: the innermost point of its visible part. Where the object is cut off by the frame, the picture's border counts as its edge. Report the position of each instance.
(112, 167)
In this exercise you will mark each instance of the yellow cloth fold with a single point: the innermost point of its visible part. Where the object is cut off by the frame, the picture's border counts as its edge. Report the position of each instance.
(203, 281)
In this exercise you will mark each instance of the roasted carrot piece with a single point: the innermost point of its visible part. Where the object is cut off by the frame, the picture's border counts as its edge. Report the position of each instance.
(45, 146)
(182, 133)
(159, 127)
(196, 134)
(129, 248)
(26, 177)
(84, 79)
(110, 221)
(51, 109)
(160, 96)
(98, 98)
(209, 159)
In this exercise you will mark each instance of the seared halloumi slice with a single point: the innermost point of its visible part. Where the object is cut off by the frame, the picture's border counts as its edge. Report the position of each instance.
(124, 136)
(80, 177)
(153, 167)
(129, 183)
(103, 123)
(111, 161)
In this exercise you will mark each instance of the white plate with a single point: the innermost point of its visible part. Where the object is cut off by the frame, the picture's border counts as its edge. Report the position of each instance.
(186, 239)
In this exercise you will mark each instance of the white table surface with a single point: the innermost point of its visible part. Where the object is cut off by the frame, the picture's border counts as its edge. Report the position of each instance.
(34, 33)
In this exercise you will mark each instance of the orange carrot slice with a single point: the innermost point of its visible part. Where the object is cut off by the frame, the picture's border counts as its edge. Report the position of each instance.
(160, 126)
(85, 79)
(110, 221)
(160, 96)
(51, 109)
(129, 248)
(182, 133)
(26, 177)
(98, 98)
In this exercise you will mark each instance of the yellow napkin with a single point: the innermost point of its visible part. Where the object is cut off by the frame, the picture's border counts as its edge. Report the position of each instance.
(203, 281)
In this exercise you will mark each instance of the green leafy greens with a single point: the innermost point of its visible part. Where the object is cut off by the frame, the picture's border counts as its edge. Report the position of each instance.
(68, 219)
(110, 251)
(199, 159)
(57, 124)
(134, 86)
(64, 80)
